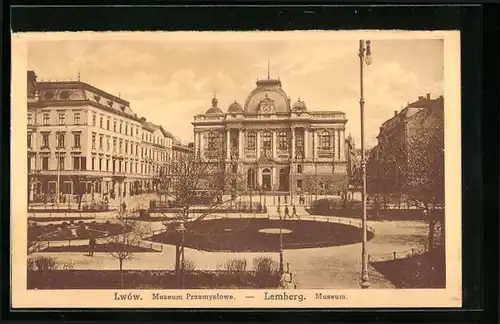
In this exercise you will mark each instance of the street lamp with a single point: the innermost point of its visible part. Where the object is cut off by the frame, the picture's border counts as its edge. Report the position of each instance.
(365, 57)
(181, 229)
(281, 241)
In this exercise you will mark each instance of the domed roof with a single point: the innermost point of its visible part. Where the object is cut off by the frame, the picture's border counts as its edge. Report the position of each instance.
(214, 109)
(270, 90)
(299, 105)
(235, 107)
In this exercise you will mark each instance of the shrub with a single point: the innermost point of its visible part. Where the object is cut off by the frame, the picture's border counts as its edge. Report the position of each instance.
(189, 265)
(30, 264)
(235, 265)
(45, 263)
(68, 265)
(265, 271)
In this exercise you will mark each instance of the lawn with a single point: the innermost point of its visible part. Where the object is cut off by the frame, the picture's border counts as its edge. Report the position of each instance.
(100, 248)
(261, 235)
(74, 230)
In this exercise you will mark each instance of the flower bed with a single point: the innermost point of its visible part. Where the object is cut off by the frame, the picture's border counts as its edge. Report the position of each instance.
(103, 248)
(74, 230)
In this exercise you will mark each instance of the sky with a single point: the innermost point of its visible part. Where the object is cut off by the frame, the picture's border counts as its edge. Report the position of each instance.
(170, 81)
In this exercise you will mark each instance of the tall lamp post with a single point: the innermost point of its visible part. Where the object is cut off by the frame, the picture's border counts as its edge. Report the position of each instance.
(364, 58)
(281, 242)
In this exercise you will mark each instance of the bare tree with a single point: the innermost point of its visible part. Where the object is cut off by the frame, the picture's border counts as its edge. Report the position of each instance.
(122, 247)
(412, 164)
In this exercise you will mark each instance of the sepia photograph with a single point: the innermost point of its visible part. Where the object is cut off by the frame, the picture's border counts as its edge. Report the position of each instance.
(236, 169)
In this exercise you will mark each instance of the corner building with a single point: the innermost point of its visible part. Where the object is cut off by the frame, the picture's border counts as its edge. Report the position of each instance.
(83, 140)
(273, 144)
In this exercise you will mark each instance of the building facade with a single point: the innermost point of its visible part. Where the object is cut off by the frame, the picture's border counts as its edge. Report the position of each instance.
(399, 143)
(82, 140)
(274, 144)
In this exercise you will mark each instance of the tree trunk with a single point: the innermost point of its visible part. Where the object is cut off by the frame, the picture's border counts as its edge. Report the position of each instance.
(122, 281)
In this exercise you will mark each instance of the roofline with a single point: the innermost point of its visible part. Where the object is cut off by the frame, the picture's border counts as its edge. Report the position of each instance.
(84, 85)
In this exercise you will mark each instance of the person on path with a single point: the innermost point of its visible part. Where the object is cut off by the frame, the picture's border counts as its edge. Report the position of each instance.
(278, 210)
(294, 212)
(287, 212)
(92, 243)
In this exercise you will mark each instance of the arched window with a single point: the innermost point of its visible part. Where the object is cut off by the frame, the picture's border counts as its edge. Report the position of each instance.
(212, 141)
(283, 140)
(325, 140)
(267, 140)
(251, 139)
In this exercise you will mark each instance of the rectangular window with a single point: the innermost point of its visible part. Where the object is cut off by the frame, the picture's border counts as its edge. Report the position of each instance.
(107, 143)
(61, 140)
(114, 125)
(126, 165)
(131, 148)
(45, 163)
(30, 119)
(29, 163)
(121, 146)
(62, 119)
(83, 162)
(136, 149)
(93, 163)
(76, 163)
(46, 119)
(131, 130)
(94, 117)
(76, 141)
(137, 131)
(101, 138)
(126, 129)
(126, 147)
(101, 122)
(93, 141)
(107, 164)
(77, 119)
(114, 144)
(299, 168)
(61, 162)
(45, 140)
(100, 164)
(299, 183)
(29, 140)
(121, 126)
(107, 124)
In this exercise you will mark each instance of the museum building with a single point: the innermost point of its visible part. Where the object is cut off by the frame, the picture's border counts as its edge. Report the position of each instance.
(274, 144)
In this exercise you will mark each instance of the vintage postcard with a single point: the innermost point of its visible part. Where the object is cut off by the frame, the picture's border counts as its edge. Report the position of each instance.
(307, 169)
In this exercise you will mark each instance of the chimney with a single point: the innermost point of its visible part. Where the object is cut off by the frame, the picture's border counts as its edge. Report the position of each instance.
(428, 96)
(395, 113)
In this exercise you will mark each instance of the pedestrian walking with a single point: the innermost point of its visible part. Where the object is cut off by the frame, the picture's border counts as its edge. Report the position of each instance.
(287, 212)
(294, 212)
(92, 244)
(278, 210)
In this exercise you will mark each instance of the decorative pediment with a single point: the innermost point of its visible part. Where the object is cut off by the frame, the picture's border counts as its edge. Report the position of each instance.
(266, 156)
(266, 105)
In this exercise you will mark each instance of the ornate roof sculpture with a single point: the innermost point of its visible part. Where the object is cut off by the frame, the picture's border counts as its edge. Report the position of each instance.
(267, 89)
(235, 107)
(214, 109)
(299, 106)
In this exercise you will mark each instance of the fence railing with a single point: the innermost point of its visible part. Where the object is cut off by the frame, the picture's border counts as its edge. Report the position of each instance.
(396, 255)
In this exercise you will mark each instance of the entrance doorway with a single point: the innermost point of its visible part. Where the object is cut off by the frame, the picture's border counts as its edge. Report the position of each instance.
(266, 179)
(284, 179)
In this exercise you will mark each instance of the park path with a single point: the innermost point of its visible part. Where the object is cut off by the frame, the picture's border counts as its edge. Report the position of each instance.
(329, 267)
